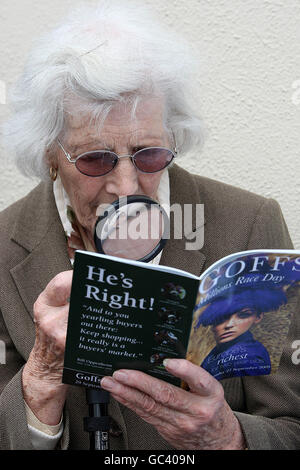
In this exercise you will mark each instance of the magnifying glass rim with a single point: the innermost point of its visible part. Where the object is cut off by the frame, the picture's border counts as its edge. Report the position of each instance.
(121, 202)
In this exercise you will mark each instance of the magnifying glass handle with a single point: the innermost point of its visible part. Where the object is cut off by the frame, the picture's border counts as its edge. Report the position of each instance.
(97, 424)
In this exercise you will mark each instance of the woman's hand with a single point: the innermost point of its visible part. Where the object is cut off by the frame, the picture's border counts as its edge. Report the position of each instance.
(196, 419)
(43, 390)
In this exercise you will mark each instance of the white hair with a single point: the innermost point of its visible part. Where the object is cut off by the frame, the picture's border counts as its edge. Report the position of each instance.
(98, 57)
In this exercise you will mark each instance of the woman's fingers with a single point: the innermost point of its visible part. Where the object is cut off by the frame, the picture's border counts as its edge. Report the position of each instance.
(145, 391)
(199, 381)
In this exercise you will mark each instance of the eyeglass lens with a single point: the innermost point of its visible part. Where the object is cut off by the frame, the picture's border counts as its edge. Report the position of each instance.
(148, 160)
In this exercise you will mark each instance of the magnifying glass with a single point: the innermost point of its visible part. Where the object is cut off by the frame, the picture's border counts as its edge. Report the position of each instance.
(133, 227)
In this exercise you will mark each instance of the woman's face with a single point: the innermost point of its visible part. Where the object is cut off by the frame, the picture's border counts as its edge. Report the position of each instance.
(235, 325)
(124, 136)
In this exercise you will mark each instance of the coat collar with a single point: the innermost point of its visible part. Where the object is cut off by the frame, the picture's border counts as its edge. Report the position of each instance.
(38, 229)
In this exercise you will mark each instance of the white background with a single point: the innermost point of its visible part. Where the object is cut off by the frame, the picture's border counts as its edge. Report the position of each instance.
(248, 88)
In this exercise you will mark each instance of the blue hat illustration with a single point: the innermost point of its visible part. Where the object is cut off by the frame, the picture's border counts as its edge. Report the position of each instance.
(257, 299)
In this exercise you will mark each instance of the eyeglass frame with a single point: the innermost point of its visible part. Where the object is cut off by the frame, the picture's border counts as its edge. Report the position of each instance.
(74, 160)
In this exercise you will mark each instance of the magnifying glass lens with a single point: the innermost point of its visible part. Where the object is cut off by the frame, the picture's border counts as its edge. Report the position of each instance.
(132, 228)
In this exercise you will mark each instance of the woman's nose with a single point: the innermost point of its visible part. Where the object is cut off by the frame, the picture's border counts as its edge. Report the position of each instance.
(230, 323)
(123, 179)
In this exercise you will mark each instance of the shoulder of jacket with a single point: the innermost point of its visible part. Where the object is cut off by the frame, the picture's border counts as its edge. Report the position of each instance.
(12, 215)
(210, 190)
(9, 214)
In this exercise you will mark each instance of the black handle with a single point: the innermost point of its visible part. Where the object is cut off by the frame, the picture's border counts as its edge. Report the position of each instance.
(97, 423)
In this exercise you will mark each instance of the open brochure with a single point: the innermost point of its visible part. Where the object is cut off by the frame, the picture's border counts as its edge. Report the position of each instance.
(232, 321)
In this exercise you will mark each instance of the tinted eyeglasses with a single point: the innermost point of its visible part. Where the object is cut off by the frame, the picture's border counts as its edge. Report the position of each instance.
(101, 162)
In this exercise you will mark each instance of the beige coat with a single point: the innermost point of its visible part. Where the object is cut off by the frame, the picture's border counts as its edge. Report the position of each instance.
(33, 251)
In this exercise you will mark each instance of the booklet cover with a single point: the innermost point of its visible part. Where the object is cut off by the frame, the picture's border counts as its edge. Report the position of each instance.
(232, 321)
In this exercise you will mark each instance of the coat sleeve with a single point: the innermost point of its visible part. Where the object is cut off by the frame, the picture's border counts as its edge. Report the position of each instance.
(14, 434)
(14, 431)
(272, 419)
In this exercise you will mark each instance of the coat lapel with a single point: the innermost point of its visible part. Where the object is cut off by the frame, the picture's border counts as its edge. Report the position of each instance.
(46, 244)
(183, 190)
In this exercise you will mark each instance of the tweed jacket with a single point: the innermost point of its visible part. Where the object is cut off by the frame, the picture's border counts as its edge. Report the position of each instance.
(33, 250)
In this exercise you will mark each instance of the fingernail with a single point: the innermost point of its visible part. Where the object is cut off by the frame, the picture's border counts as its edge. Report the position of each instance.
(120, 375)
(168, 363)
(107, 383)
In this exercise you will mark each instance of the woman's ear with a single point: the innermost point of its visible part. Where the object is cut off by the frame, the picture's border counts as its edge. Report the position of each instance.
(51, 158)
(259, 318)
(51, 161)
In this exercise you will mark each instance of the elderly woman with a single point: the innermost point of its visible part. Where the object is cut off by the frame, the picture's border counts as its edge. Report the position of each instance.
(112, 80)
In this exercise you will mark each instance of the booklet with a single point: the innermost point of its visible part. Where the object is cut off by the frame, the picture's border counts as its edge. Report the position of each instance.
(232, 321)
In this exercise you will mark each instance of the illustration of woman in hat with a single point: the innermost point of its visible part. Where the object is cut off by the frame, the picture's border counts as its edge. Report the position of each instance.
(237, 353)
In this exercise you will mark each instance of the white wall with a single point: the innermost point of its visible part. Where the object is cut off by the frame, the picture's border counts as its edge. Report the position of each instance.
(248, 88)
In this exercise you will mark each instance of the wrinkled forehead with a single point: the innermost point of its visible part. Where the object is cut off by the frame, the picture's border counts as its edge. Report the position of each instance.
(123, 117)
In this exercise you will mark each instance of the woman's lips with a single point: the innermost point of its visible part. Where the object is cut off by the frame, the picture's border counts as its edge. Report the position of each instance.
(225, 335)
